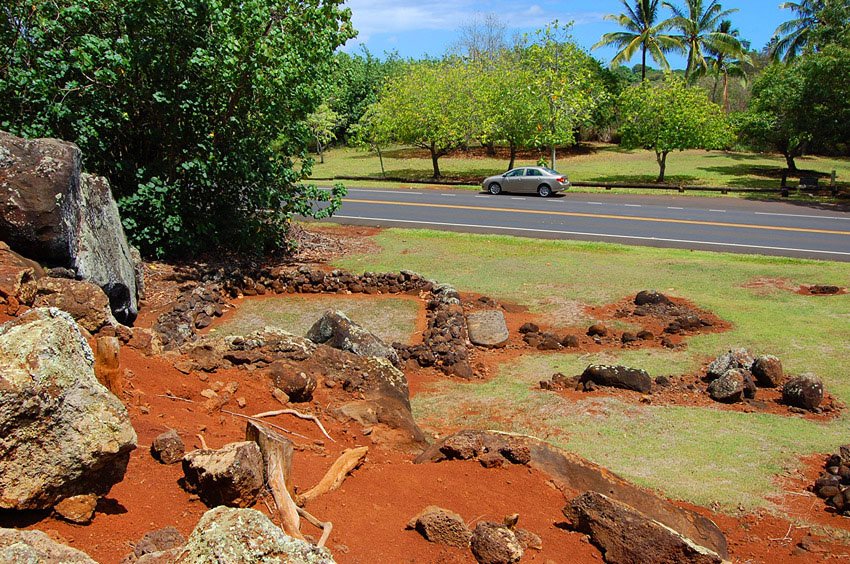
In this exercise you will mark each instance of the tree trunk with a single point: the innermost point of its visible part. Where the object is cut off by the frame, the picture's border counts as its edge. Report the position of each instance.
(642, 64)
(319, 149)
(789, 161)
(434, 161)
(662, 164)
(726, 92)
(513, 156)
(552, 161)
(381, 160)
(491, 149)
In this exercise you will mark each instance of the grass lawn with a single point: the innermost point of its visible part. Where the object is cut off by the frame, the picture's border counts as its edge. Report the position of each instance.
(698, 454)
(599, 163)
(392, 319)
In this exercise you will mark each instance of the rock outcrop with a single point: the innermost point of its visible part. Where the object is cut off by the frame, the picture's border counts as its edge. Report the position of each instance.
(52, 213)
(232, 475)
(336, 330)
(617, 377)
(36, 547)
(61, 432)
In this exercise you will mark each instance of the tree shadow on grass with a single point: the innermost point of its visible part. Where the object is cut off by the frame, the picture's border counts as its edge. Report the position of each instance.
(646, 179)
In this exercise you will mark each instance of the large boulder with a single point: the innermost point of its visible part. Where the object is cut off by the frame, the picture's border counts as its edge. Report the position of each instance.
(35, 547)
(728, 388)
(767, 370)
(62, 433)
(246, 536)
(84, 301)
(733, 359)
(627, 536)
(232, 475)
(335, 329)
(487, 328)
(52, 213)
(617, 377)
(804, 391)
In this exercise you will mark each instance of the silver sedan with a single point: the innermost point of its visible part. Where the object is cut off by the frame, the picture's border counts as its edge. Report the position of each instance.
(544, 181)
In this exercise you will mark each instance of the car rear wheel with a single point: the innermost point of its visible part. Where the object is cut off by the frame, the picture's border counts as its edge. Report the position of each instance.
(495, 188)
(543, 191)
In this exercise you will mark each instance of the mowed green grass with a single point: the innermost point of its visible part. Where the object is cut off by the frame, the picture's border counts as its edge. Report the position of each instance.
(600, 163)
(391, 319)
(703, 455)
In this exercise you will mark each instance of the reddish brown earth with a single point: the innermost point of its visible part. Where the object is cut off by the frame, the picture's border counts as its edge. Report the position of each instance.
(371, 509)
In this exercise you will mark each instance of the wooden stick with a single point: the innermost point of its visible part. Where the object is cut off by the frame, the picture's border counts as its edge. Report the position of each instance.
(203, 442)
(335, 476)
(307, 416)
(286, 508)
(326, 526)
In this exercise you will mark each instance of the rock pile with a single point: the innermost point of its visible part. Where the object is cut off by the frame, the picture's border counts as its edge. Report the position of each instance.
(833, 485)
(545, 340)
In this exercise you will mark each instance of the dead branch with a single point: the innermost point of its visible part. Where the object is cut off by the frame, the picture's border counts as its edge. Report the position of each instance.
(335, 476)
(326, 526)
(298, 414)
(272, 425)
(203, 442)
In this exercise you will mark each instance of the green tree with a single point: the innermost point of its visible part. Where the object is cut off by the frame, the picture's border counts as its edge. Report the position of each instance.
(322, 123)
(194, 109)
(816, 23)
(668, 117)
(643, 31)
(562, 75)
(727, 63)
(371, 133)
(701, 34)
(429, 106)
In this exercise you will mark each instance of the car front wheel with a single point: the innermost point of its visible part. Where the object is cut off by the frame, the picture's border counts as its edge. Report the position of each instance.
(543, 191)
(495, 188)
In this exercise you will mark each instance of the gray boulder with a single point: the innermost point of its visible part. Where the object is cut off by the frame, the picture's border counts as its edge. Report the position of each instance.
(804, 391)
(729, 388)
(735, 358)
(336, 330)
(54, 214)
(62, 433)
(627, 536)
(617, 377)
(246, 536)
(487, 328)
(35, 547)
(232, 475)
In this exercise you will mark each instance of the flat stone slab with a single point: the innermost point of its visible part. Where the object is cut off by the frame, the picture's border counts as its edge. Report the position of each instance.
(487, 328)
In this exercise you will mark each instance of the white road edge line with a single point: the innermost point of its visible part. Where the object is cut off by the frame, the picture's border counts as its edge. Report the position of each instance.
(610, 236)
(802, 215)
(674, 208)
(385, 191)
(633, 205)
(718, 211)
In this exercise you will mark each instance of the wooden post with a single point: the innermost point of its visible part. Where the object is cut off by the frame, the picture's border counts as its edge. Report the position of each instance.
(784, 186)
(106, 364)
(277, 453)
(832, 186)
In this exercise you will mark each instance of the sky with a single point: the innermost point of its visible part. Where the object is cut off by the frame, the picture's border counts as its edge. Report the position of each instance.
(415, 28)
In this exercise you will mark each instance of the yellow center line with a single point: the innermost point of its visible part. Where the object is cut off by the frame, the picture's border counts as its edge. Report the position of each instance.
(603, 216)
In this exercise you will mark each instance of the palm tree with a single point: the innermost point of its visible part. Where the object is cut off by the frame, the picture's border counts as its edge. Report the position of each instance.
(643, 31)
(700, 34)
(728, 64)
(791, 37)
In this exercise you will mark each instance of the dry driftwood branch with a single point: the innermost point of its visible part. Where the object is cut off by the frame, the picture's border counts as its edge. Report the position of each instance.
(326, 526)
(203, 442)
(335, 476)
(298, 414)
(272, 425)
(277, 465)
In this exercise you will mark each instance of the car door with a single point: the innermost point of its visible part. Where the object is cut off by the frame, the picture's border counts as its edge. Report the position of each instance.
(531, 180)
(513, 180)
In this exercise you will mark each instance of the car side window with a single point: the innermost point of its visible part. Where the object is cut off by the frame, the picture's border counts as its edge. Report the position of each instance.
(515, 173)
(533, 172)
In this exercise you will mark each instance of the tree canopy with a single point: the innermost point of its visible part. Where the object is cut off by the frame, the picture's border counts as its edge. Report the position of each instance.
(194, 109)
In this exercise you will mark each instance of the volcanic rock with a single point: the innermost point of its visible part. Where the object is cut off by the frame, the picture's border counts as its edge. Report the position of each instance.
(597, 330)
(487, 328)
(494, 543)
(767, 370)
(736, 358)
(729, 388)
(617, 377)
(441, 526)
(297, 385)
(804, 391)
(529, 327)
(77, 509)
(35, 547)
(86, 302)
(168, 447)
(167, 538)
(231, 476)
(18, 276)
(335, 329)
(650, 297)
(63, 433)
(627, 536)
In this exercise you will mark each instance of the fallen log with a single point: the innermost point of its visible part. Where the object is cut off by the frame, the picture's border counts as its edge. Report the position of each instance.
(335, 476)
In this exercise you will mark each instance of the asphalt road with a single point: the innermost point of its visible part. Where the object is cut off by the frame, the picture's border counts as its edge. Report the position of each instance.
(721, 224)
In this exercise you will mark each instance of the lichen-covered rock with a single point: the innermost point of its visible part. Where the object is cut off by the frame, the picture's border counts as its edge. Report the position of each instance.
(735, 358)
(441, 526)
(61, 432)
(86, 302)
(168, 447)
(617, 377)
(232, 475)
(246, 536)
(299, 386)
(159, 541)
(335, 329)
(728, 388)
(487, 328)
(493, 543)
(804, 391)
(627, 536)
(35, 547)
